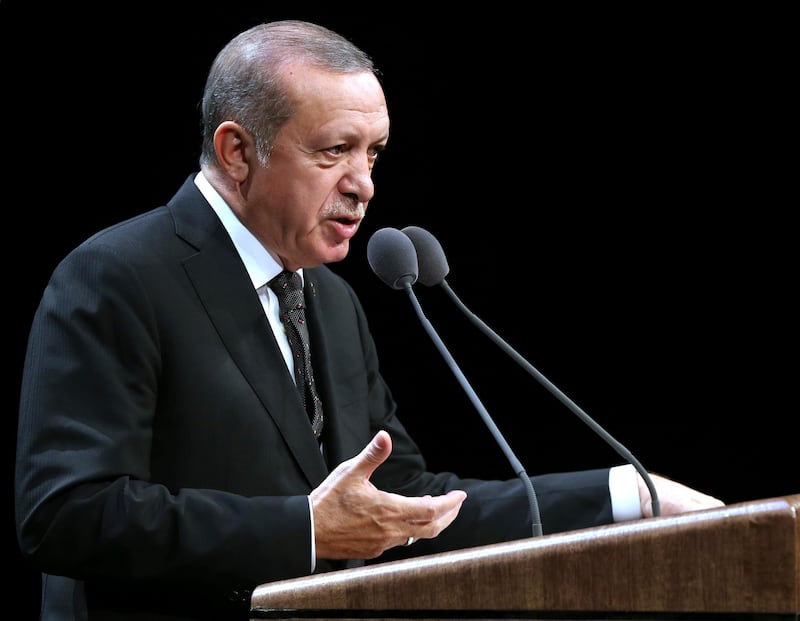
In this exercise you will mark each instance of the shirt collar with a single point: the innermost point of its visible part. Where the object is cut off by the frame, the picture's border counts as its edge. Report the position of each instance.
(261, 264)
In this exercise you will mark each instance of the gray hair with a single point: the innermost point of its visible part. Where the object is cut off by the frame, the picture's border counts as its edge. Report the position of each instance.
(246, 85)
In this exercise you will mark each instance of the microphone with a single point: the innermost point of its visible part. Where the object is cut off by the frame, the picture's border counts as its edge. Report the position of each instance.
(393, 257)
(432, 268)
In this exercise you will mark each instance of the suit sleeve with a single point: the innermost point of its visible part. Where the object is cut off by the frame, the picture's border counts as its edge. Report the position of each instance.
(494, 511)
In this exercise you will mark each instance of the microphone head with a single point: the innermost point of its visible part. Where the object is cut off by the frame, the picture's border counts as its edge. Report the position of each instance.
(433, 265)
(392, 256)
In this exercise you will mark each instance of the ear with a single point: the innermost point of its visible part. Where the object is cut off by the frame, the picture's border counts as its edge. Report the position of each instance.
(235, 150)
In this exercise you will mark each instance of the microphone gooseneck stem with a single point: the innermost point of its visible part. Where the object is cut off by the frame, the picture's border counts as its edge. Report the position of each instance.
(487, 419)
(619, 448)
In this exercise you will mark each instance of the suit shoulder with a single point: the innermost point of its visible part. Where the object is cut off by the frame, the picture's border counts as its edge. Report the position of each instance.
(134, 227)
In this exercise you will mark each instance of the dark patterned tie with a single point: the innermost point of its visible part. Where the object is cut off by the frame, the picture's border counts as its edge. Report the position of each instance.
(289, 289)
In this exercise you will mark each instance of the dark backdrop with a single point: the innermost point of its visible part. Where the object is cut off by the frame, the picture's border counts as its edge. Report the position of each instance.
(621, 182)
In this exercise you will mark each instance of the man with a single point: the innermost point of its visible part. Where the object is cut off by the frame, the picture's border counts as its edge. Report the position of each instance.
(166, 464)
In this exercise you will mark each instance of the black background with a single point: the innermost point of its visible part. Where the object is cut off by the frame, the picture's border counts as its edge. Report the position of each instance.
(624, 182)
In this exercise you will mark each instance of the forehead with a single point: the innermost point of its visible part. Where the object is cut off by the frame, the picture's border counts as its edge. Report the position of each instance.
(323, 97)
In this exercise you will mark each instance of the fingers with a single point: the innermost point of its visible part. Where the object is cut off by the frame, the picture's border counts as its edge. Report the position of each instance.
(674, 497)
(360, 521)
(354, 519)
(438, 513)
(372, 455)
(425, 510)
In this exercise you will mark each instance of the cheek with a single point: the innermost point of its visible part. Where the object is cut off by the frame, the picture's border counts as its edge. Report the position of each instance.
(297, 195)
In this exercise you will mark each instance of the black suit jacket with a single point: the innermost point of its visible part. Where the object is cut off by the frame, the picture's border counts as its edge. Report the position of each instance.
(164, 461)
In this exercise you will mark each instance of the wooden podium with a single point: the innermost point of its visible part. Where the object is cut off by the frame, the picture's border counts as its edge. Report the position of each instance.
(741, 561)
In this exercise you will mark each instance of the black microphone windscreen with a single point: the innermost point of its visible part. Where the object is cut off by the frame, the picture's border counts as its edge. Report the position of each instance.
(393, 257)
(432, 261)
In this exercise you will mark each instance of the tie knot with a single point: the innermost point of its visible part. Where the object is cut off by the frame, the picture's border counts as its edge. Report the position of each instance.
(289, 289)
(286, 280)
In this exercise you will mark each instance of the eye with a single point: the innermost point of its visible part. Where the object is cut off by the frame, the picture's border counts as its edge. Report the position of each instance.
(341, 149)
(374, 152)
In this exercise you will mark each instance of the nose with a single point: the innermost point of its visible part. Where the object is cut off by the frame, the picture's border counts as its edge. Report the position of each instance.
(357, 182)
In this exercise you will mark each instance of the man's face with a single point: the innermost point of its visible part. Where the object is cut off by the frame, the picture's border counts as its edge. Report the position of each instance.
(309, 201)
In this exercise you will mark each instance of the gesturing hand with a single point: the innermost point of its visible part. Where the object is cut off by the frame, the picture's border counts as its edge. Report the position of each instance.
(354, 519)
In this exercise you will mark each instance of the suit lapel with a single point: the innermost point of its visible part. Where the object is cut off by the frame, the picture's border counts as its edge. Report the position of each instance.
(234, 308)
(323, 362)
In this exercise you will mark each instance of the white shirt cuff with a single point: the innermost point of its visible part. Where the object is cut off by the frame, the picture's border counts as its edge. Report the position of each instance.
(313, 541)
(623, 485)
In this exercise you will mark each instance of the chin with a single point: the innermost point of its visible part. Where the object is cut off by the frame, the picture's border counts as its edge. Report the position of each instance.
(337, 252)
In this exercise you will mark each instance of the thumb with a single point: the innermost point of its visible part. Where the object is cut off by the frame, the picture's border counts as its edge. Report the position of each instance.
(373, 455)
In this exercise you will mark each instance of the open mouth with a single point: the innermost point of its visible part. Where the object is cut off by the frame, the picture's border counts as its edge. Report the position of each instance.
(345, 227)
